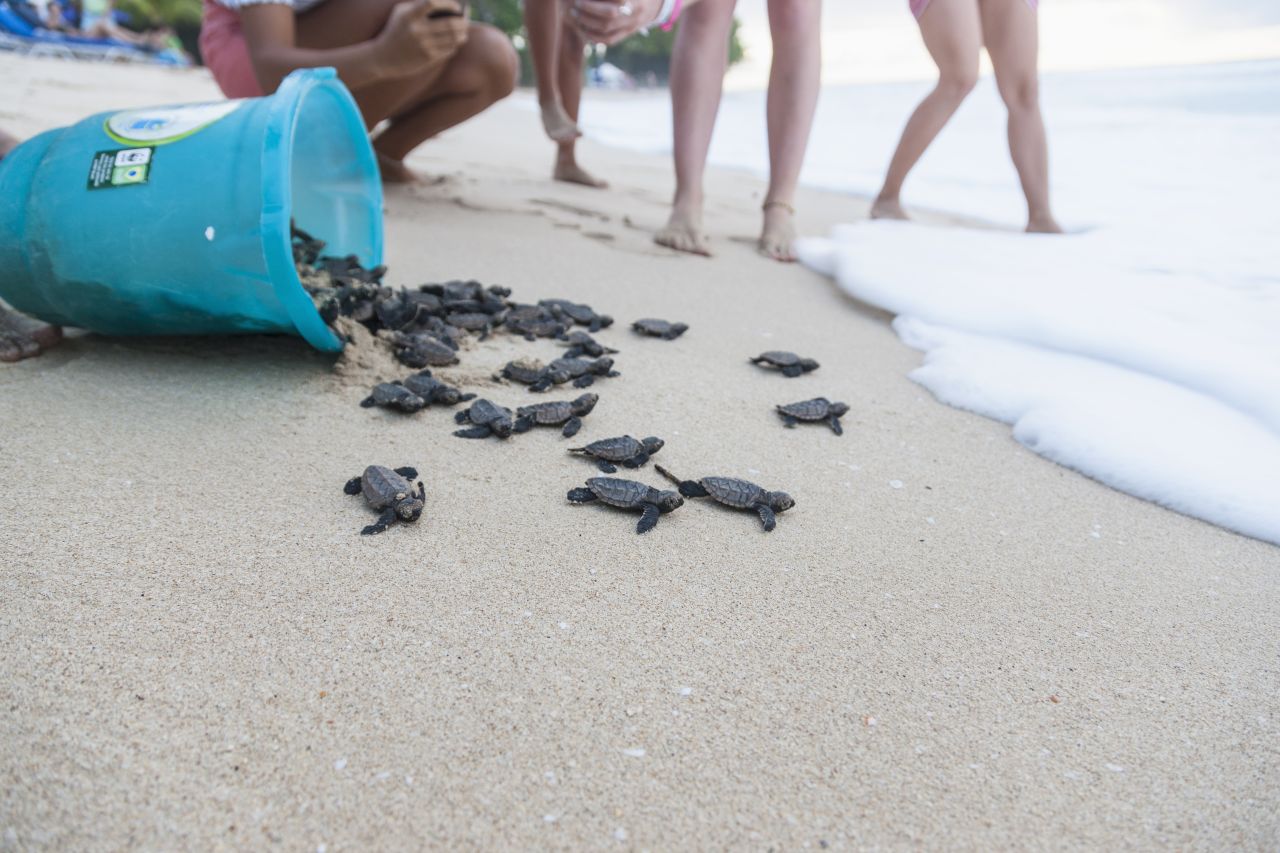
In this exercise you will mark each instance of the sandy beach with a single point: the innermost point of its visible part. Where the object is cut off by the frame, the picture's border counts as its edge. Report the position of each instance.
(949, 642)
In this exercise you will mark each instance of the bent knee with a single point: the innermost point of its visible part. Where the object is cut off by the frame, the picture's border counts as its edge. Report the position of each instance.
(958, 83)
(497, 64)
(1022, 96)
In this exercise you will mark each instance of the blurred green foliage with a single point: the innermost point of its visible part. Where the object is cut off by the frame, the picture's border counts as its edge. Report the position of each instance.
(183, 16)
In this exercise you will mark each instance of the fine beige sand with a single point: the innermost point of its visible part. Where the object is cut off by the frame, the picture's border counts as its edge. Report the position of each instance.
(948, 643)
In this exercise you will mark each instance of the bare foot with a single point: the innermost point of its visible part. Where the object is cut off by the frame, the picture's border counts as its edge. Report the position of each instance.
(778, 233)
(684, 233)
(395, 171)
(7, 143)
(557, 124)
(570, 172)
(1043, 225)
(21, 337)
(887, 208)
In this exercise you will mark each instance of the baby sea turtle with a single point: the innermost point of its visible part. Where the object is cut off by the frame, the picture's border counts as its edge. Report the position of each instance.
(581, 343)
(393, 395)
(487, 418)
(531, 372)
(659, 328)
(788, 363)
(582, 371)
(567, 412)
(624, 450)
(817, 409)
(628, 494)
(472, 321)
(432, 390)
(739, 494)
(423, 350)
(578, 313)
(391, 492)
(533, 322)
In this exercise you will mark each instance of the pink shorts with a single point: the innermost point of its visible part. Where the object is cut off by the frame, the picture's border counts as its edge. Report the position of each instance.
(918, 6)
(226, 54)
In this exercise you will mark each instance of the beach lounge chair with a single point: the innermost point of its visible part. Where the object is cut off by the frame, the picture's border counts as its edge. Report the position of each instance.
(18, 33)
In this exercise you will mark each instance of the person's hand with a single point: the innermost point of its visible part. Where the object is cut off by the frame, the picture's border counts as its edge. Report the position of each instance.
(611, 21)
(420, 34)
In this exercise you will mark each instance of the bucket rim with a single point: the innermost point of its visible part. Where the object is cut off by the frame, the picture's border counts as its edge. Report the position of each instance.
(277, 205)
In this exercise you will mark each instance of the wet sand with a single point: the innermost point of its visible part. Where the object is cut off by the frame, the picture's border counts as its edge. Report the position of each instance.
(949, 642)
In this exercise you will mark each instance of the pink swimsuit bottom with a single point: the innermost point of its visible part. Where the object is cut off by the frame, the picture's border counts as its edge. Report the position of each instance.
(225, 53)
(918, 6)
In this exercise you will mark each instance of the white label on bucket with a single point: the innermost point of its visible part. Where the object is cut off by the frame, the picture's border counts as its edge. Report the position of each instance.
(159, 125)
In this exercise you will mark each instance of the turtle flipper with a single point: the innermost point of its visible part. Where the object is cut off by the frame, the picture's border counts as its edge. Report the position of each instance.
(606, 466)
(474, 432)
(523, 424)
(353, 486)
(571, 427)
(637, 460)
(649, 518)
(767, 518)
(792, 370)
(407, 472)
(834, 423)
(584, 381)
(368, 402)
(581, 495)
(461, 417)
(789, 422)
(384, 521)
(465, 397)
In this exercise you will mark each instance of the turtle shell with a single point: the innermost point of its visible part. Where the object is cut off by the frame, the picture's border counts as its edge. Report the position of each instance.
(486, 412)
(383, 487)
(731, 491)
(808, 410)
(614, 449)
(626, 494)
(779, 358)
(525, 372)
(549, 414)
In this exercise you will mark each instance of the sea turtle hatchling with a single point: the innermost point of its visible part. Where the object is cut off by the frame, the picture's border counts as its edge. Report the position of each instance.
(787, 363)
(659, 328)
(394, 395)
(433, 390)
(581, 343)
(533, 322)
(583, 315)
(732, 492)
(568, 413)
(486, 418)
(423, 350)
(628, 494)
(391, 492)
(623, 449)
(582, 371)
(817, 409)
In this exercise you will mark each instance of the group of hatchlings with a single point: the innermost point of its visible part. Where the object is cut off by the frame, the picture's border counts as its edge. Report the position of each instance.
(394, 495)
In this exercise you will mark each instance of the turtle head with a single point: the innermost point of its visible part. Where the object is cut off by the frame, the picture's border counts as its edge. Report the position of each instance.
(652, 444)
(781, 501)
(410, 509)
(448, 396)
(669, 500)
(808, 364)
(602, 365)
(585, 403)
(838, 409)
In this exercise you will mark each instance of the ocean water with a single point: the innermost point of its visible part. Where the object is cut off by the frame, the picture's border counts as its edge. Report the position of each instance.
(1142, 349)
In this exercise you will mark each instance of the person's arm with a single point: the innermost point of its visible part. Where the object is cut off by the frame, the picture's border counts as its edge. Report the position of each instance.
(417, 35)
(611, 21)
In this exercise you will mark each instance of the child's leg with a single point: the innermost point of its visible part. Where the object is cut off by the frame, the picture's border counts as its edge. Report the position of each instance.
(1010, 31)
(952, 32)
(698, 64)
(542, 22)
(569, 71)
(794, 79)
(482, 72)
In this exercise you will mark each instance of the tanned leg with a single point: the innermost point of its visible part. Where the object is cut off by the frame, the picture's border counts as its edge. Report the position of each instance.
(952, 32)
(1010, 32)
(794, 80)
(698, 64)
(569, 71)
(542, 23)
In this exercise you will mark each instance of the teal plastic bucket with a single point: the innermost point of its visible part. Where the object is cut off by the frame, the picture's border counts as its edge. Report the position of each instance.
(175, 220)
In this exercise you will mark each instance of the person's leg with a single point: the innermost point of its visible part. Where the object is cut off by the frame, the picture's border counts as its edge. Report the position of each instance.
(20, 336)
(952, 33)
(481, 72)
(794, 80)
(698, 64)
(569, 72)
(542, 23)
(1010, 32)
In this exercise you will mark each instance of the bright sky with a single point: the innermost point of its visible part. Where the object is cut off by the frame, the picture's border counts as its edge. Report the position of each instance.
(878, 39)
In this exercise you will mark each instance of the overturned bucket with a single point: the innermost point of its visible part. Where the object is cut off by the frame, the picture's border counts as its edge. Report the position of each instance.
(175, 220)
